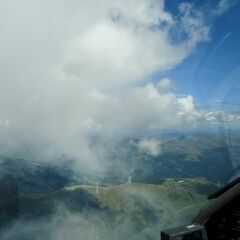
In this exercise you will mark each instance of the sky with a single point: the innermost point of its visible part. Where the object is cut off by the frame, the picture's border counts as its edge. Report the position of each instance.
(72, 71)
(214, 62)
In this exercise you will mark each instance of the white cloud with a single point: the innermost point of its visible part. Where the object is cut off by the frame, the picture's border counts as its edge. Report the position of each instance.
(142, 110)
(150, 146)
(164, 84)
(223, 6)
(223, 117)
(192, 24)
(187, 104)
(70, 70)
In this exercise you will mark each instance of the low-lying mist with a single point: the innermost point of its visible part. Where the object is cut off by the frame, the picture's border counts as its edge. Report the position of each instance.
(66, 225)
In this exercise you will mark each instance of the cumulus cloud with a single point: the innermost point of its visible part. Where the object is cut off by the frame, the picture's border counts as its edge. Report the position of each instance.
(70, 71)
(143, 110)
